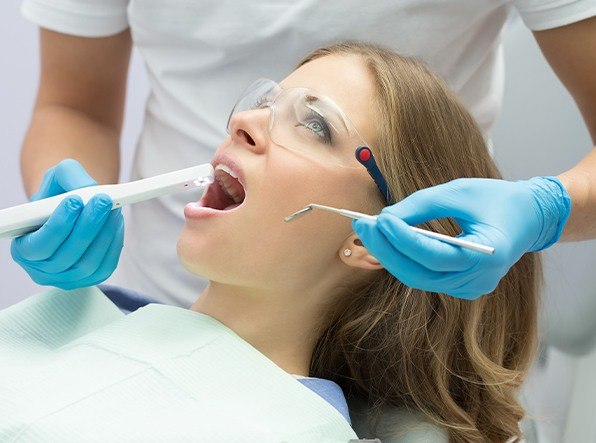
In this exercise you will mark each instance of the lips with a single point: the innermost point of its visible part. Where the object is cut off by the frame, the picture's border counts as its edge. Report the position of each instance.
(226, 194)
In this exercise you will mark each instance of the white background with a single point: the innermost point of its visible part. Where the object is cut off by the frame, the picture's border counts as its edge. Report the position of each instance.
(540, 132)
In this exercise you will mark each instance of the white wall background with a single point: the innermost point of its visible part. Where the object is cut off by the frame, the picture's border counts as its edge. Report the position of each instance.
(18, 79)
(540, 132)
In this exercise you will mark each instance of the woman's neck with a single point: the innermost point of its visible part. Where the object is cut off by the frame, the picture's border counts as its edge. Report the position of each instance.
(280, 326)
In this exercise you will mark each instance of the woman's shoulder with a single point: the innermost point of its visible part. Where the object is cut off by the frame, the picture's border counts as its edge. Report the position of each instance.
(396, 425)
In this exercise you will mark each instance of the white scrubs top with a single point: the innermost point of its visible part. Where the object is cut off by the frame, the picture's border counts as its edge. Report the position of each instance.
(201, 54)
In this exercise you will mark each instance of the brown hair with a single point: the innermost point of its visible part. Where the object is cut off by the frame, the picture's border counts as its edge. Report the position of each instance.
(459, 362)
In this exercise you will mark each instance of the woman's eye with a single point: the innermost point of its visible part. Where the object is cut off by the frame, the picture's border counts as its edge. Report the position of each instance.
(319, 128)
(315, 127)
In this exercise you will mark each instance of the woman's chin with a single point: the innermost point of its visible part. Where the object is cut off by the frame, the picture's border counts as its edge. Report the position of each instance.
(195, 267)
(197, 258)
(190, 257)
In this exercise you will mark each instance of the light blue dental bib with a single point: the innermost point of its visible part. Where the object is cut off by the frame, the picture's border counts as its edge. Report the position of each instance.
(73, 368)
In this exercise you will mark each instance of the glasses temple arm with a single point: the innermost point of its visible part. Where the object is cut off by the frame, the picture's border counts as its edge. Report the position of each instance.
(365, 157)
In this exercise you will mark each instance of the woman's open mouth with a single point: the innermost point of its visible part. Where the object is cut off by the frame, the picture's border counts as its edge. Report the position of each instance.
(228, 195)
(225, 194)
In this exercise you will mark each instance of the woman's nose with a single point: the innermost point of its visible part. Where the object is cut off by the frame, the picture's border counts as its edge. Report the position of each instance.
(251, 129)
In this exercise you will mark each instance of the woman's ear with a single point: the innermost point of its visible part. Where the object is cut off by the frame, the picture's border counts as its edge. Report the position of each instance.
(353, 253)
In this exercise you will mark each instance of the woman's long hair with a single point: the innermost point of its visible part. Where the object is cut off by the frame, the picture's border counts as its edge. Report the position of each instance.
(459, 362)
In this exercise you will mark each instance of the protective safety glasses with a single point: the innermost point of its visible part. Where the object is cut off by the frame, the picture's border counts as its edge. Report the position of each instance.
(310, 123)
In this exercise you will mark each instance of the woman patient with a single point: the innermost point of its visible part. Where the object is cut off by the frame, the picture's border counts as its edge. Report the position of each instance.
(309, 297)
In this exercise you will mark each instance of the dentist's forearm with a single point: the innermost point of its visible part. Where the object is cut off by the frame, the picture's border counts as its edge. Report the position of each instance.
(79, 106)
(580, 183)
(569, 50)
(57, 132)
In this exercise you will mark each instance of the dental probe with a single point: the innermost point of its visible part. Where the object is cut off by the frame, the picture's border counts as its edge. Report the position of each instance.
(358, 215)
(19, 220)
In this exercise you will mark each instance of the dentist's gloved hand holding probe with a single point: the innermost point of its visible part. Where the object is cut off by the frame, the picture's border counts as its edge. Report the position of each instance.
(80, 244)
(513, 217)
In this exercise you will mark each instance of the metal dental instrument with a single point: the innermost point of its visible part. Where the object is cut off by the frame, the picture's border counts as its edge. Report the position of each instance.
(19, 220)
(358, 215)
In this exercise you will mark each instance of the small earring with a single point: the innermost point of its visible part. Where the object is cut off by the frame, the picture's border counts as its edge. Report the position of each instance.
(347, 252)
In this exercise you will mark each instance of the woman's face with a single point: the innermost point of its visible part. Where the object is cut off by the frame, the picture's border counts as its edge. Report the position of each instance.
(251, 245)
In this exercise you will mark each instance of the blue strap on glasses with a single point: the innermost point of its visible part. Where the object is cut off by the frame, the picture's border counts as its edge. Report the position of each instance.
(365, 156)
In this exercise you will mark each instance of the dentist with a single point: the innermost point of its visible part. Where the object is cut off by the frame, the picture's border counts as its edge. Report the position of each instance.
(200, 55)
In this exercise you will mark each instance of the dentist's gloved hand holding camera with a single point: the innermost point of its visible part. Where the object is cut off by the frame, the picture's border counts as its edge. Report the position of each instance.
(80, 244)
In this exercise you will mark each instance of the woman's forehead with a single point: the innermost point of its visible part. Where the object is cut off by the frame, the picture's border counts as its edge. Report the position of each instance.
(346, 80)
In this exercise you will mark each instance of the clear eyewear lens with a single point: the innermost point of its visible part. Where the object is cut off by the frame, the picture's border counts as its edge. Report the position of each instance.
(304, 121)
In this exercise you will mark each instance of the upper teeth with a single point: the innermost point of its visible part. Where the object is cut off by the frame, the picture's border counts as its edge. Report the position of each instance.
(226, 169)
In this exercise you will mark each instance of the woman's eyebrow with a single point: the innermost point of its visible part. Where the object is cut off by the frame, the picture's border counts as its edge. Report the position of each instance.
(311, 98)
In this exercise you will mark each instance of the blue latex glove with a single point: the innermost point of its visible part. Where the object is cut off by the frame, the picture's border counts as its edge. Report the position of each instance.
(80, 244)
(513, 217)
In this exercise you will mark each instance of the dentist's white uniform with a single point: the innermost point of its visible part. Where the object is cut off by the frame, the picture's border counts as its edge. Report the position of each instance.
(201, 54)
